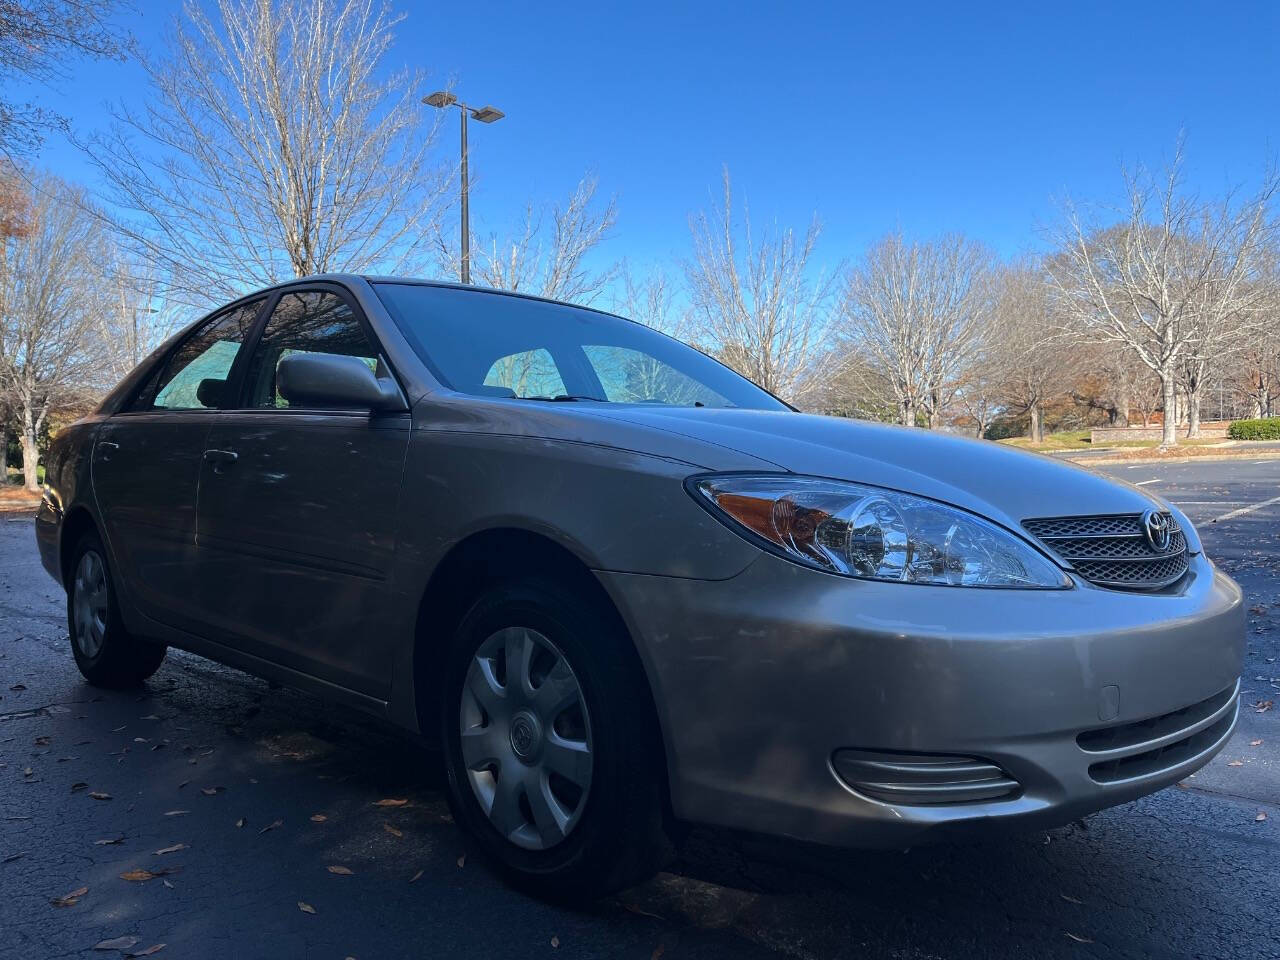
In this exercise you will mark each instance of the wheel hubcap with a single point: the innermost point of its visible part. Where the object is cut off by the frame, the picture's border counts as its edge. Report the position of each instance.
(526, 738)
(89, 604)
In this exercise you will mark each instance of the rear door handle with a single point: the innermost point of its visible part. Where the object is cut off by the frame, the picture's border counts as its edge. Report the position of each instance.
(218, 457)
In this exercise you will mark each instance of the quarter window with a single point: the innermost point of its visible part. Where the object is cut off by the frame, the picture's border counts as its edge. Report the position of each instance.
(195, 376)
(309, 322)
(529, 373)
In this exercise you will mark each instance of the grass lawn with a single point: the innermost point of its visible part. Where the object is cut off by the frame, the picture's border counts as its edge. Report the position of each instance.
(1066, 440)
(1079, 440)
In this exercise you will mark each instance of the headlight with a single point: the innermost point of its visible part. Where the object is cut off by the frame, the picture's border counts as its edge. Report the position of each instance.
(875, 534)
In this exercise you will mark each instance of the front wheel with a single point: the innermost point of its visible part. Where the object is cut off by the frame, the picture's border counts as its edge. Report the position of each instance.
(107, 655)
(553, 760)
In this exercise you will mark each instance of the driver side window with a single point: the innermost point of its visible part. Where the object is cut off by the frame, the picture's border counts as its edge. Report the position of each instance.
(312, 321)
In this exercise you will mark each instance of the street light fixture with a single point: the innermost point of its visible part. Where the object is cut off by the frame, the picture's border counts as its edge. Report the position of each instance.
(443, 99)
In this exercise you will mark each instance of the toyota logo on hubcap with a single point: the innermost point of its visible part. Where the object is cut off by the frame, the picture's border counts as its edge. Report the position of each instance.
(1159, 530)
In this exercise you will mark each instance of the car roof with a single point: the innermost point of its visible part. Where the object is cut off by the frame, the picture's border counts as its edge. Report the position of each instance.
(347, 278)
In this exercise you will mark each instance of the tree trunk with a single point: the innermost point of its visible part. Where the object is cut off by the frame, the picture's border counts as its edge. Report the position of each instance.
(1193, 413)
(30, 458)
(1122, 410)
(1169, 394)
(908, 413)
(1037, 423)
(4, 457)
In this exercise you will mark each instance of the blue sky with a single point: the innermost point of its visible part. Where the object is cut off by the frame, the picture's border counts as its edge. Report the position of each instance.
(934, 117)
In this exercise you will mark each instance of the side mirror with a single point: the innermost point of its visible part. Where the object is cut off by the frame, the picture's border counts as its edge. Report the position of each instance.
(333, 380)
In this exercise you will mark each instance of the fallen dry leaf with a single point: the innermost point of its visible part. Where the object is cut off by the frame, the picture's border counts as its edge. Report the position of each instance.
(391, 802)
(1070, 899)
(318, 818)
(76, 787)
(98, 795)
(70, 899)
(138, 875)
(116, 943)
(1236, 763)
(462, 861)
(306, 907)
(110, 841)
(14, 856)
(17, 687)
(149, 716)
(211, 791)
(417, 876)
(165, 881)
(555, 941)
(340, 870)
(271, 826)
(1262, 706)
(1255, 743)
(1260, 817)
(174, 849)
(241, 822)
(27, 772)
(1077, 938)
(154, 948)
(175, 813)
(42, 741)
(392, 830)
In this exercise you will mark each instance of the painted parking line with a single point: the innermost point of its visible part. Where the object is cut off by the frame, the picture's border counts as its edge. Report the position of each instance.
(1243, 510)
(1143, 483)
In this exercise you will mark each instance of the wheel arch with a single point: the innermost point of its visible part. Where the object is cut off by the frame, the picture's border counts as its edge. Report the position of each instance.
(488, 557)
(78, 521)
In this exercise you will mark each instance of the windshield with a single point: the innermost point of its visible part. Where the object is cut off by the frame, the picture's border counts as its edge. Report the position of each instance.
(504, 346)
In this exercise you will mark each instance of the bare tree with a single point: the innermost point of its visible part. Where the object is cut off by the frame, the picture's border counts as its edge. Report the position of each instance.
(550, 263)
(37, 39)
(1166, 281)
(273, 145)
(756, 296)
(49, 351)
(918, 311)
(1027, 345)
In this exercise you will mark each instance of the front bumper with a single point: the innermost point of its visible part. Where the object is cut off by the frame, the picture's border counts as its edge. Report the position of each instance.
(761, 679)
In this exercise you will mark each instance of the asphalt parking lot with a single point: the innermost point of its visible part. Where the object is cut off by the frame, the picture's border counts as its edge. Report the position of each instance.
(258, 793)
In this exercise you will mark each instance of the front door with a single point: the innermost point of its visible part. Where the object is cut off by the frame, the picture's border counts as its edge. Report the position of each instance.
(298, 510)
(146, 464)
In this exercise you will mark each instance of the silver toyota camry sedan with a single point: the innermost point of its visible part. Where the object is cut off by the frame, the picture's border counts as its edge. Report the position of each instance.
(625, 589)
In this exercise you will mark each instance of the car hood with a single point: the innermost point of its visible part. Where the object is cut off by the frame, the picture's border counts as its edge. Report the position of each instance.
(1004, 483)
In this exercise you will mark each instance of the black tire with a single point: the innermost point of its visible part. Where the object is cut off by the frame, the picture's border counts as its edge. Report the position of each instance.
(618, 839)
(106, 653)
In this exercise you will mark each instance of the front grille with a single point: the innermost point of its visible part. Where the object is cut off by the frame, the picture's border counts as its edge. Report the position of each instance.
(1130, 751)
(1113, 551)
(912, 779)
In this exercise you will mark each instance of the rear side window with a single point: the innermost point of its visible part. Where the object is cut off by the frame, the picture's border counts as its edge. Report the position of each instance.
(312, 321)
(195, 375)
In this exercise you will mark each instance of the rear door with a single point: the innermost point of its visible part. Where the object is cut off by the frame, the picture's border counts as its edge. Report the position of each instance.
(297, 509)
(146, 464)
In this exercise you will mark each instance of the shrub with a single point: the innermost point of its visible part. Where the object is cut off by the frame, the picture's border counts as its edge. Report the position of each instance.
(1268, 429)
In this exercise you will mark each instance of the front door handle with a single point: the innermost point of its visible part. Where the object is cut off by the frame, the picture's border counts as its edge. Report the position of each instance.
(221, 458)
(107, 447)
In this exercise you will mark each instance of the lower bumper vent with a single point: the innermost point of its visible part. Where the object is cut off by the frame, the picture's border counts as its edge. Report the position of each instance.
(1132, 751)
(912, 779)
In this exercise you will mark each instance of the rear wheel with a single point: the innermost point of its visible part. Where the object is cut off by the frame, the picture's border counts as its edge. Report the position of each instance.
(107, 655)
(553, 762)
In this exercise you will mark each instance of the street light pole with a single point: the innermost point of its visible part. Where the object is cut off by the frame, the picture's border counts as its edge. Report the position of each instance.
(466, 206)
(442, 99)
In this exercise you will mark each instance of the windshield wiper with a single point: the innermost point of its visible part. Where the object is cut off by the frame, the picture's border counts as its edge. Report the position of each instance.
(566, 398)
